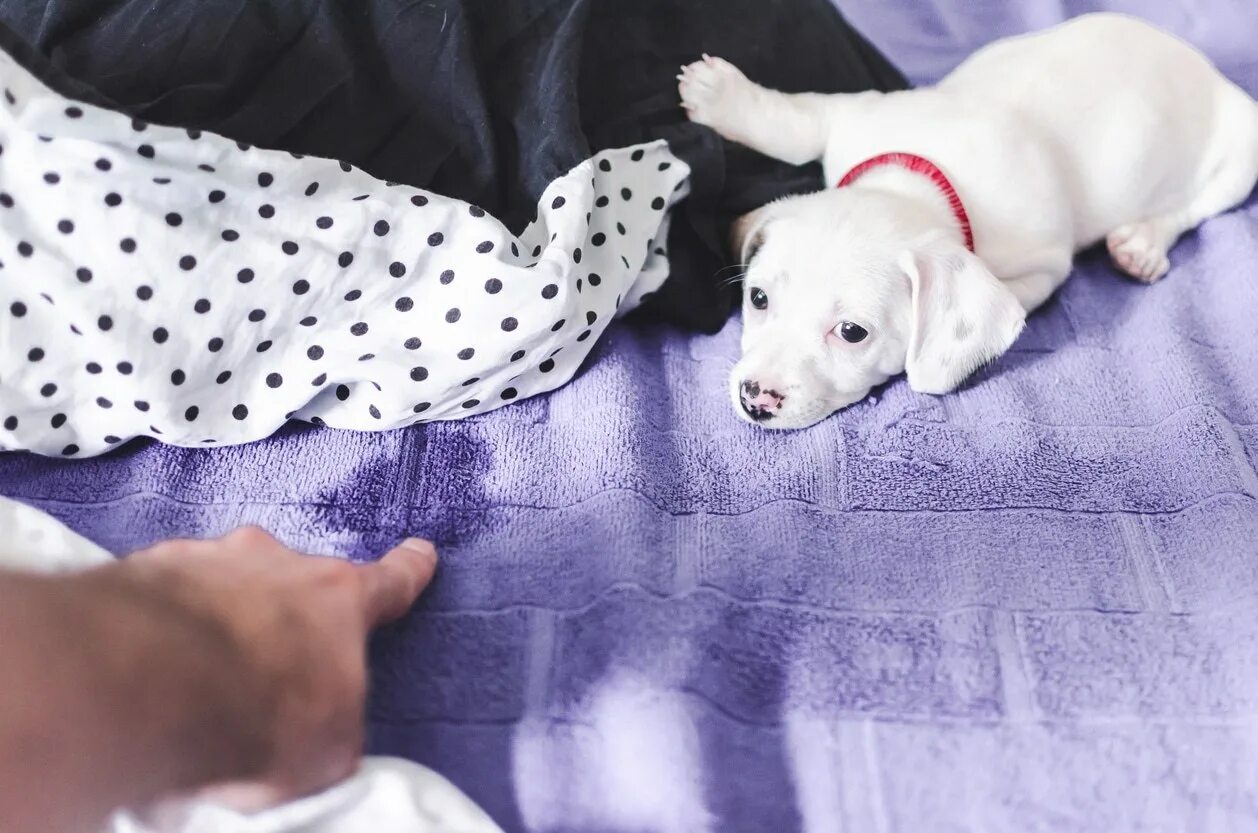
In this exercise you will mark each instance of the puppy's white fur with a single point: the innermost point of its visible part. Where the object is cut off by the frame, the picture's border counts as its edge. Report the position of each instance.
(1102, 128)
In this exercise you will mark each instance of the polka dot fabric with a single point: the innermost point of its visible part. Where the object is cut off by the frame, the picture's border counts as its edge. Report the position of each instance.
(170, 283)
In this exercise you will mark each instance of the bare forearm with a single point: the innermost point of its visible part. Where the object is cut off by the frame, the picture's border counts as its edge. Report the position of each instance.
(112, 696)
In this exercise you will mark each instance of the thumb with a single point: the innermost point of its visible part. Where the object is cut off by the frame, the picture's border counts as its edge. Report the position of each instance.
(392, 584)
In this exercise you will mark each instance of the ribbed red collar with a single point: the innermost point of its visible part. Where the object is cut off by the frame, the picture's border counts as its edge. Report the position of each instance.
(929, 169)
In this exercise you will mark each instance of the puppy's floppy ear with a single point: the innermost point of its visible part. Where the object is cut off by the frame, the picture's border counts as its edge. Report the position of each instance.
(746, 235)
(962, 316)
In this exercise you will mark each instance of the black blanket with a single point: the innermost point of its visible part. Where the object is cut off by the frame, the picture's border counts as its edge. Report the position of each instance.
(484, 100)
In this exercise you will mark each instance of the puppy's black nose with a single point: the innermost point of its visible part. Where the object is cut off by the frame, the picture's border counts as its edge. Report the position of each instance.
(758, 404)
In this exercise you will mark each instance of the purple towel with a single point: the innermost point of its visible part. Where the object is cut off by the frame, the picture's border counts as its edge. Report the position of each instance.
(1032, 605)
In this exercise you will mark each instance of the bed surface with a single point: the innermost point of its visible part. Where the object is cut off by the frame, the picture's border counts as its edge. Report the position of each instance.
(1032, 605)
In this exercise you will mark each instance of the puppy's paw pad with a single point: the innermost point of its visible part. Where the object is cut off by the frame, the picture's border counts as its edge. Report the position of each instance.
(1139, 250)
(711, 90)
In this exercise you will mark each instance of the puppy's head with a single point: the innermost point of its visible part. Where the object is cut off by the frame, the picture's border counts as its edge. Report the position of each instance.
(845, 289)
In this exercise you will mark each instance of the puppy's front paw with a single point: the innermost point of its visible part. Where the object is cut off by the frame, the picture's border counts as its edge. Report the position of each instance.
(713, 91)
(1140, 250)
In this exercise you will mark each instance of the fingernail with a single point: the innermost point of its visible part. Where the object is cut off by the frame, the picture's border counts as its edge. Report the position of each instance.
(421, 546)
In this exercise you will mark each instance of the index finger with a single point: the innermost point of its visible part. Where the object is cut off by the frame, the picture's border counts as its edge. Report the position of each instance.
(392, 584)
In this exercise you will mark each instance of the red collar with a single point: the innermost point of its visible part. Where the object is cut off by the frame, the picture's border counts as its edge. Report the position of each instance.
(923, 166)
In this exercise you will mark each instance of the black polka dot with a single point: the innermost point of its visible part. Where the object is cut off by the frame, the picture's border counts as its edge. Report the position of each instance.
(453, 315)
(595, 279)
(231, 235)
(601, 202)
(359, 329)
(257, 315)
(223, 377)
(311, 188)
(314, 353)
(93, 367)
(509, 394)
(174, 219)
(345, 259)
(74, 112)
(187, 263)
(576, 255)
(113, 200)
(146, 151)
(34, 354)
(240, 412)
(436, 238)
(547, 366)
(342, 392)
(484, 248)
(467, 383)
(493, 286)
(605, 165)
(467, 353)
(324, 222)
(244, 275)
(7, 201)
(583, 336)
(537, 250)
(637, 155)
(263, 346)
(374, 411)
(193, 133)
(578, 284)
(558, 203)
(215, 344)
(558, 325)
(421, 407)
(265, 179)
(346, 167)
(517, 355)
(446, 277)
(243, 145)
(209, 169)
(112, 440)
(403, 304)
(18, 309)
(105, 323)
(419, 200)
(65, 226)
(70, 450)
(591, 317)
(138, 125)
(217, 196)
(57, 420)
(419, 374)
(25, 249)
(160, 335)
(319, 380)
(549, 291)
(125, 368)
(192, 413)
(140, 405)
(127, 244)
(412, 343)
(657, 203)
(308, 321)
(620, 227)
(599, 239)
(353, 295)
(301, 287)
(52, 177)
(161, 180)
(178, 377)
(266, 212)
(10, 423)
(289, 247)
(381, 228)
(202, 305)
(471, 403)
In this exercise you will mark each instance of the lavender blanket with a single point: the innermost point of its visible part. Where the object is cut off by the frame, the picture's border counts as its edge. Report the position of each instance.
(1032, 605)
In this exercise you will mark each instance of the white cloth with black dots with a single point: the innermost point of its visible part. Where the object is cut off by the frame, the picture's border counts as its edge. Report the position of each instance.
(163, 282)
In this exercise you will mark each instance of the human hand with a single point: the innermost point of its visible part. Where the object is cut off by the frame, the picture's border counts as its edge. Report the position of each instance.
(299, 627)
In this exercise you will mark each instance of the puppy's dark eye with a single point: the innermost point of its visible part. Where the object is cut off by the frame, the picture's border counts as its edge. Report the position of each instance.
(853, 333)
(759, 299)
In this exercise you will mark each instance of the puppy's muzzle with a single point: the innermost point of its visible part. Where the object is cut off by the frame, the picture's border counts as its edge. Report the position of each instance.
(759, 403)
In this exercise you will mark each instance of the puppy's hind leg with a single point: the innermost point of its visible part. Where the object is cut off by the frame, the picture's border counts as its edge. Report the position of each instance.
(793, 128)
(1142, 249)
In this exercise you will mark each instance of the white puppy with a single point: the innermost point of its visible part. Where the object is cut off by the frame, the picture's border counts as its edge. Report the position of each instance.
(1103, 128)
